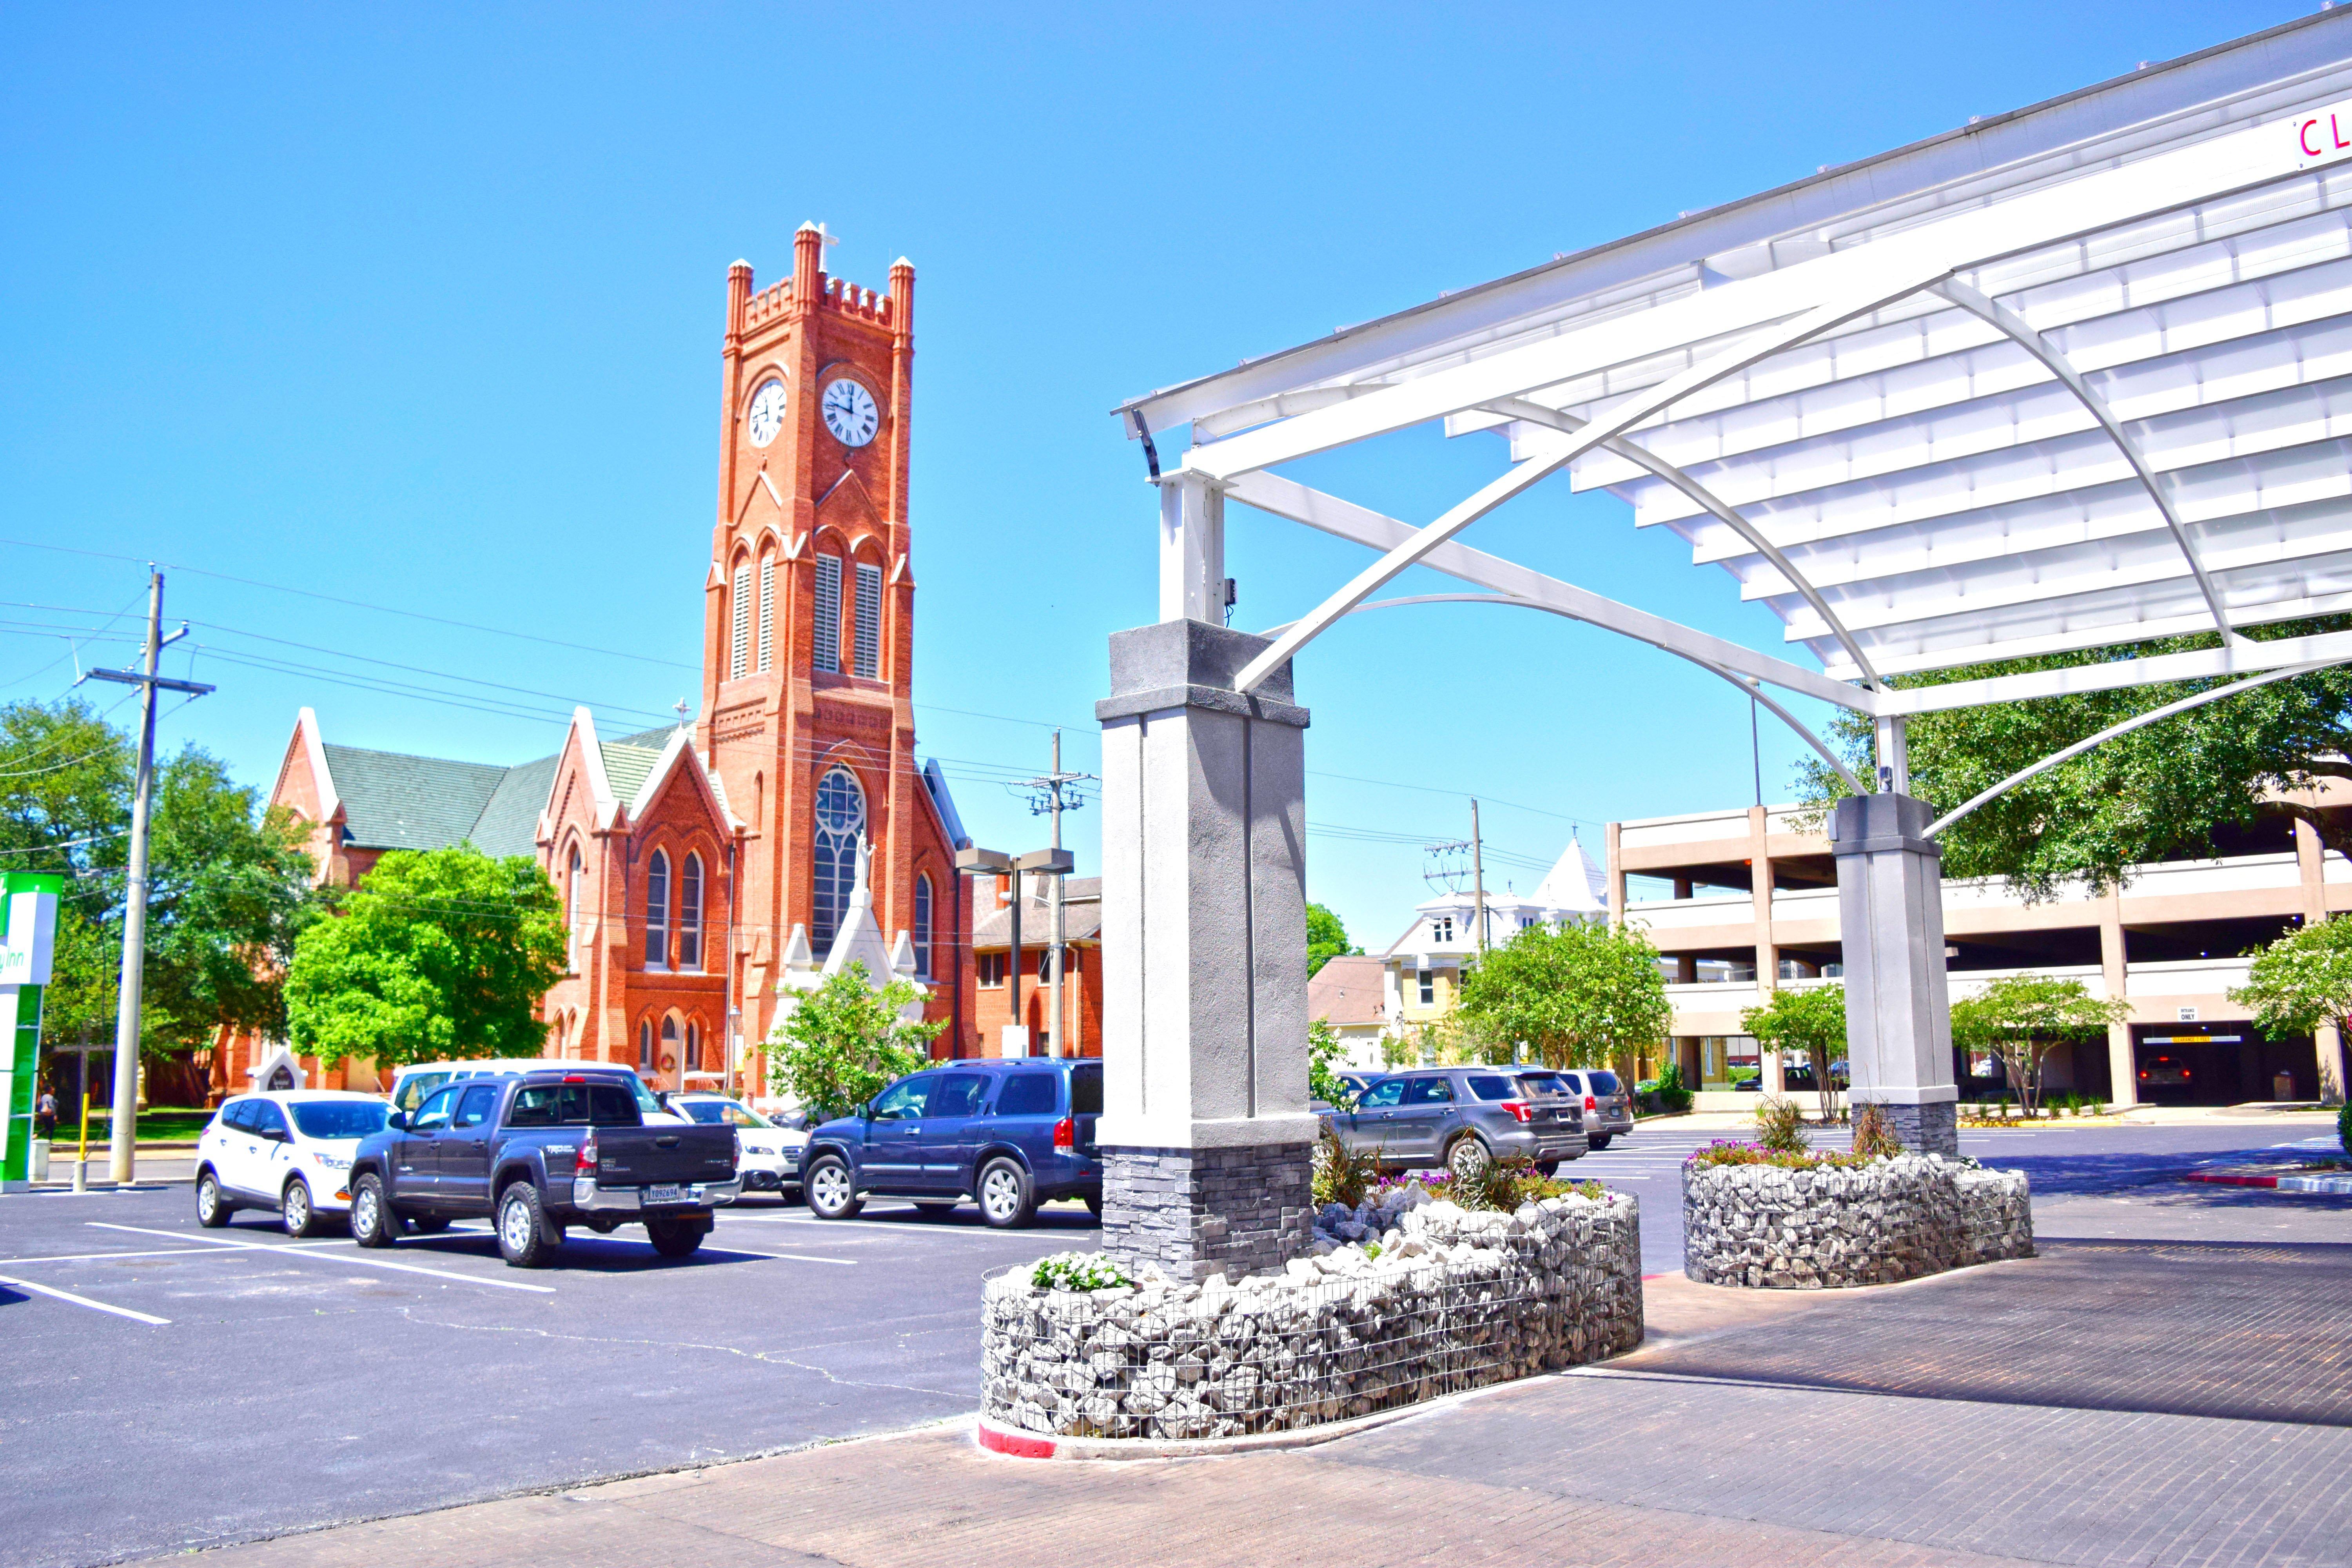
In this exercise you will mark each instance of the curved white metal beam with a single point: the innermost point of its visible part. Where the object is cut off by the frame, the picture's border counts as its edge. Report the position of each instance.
(1885, 291)
(2112, 730)
(2012, 325)
(1634, 452)
(1748, 684)
(1282, 497)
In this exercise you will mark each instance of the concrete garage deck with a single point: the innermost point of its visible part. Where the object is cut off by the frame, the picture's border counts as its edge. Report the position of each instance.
(2115, 1402)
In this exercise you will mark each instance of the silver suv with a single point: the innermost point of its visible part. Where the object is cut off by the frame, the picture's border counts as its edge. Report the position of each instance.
(1608, 1108)
(1461, 1118)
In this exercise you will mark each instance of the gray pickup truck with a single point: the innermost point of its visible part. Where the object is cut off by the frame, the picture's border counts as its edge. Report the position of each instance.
(538, 1152)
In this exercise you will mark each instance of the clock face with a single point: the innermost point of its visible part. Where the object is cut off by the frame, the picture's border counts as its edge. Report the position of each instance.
(767, 412)
(850, 414)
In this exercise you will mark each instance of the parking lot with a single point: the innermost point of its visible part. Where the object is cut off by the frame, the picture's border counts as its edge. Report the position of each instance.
(171, 1387)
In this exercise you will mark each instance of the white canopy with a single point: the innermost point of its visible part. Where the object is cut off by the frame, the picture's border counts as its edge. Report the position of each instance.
(2073, 377)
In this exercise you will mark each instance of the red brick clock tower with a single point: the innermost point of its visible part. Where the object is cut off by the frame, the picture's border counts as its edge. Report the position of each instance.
(808, 631)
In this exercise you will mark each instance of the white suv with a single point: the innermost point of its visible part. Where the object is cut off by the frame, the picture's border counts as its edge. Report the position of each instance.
(290, 1151)
(768, 1156)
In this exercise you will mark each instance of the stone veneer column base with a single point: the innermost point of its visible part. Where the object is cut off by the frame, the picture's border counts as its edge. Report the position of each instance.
(1198, 1212)
(1933, 1129)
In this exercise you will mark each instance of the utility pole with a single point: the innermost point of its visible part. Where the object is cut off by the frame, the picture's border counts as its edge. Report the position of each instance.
(1478, 875)
(1050, 800)
(123, 1123)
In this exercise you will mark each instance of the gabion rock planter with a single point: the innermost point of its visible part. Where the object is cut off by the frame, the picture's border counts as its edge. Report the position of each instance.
(1453, 1301)
(1774, 1228)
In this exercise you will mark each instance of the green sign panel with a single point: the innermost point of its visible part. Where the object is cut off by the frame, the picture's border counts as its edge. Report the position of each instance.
(29, 902)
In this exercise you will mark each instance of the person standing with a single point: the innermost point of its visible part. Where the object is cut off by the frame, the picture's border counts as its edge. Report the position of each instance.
(45, 1113)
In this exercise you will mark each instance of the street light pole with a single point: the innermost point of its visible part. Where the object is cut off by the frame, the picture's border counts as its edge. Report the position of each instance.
(122, 1140)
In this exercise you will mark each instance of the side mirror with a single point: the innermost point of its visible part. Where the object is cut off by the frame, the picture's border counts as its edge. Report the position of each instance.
(397, 1121)
(279, 1135)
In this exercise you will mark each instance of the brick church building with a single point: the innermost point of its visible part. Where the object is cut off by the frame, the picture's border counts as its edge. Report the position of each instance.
(709, 870)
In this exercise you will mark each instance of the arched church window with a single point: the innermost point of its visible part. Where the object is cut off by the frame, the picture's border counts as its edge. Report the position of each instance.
(826, 651)
(670, 1062)
(922, 928)
(693, 1062)
(767, 609)
(738, 659)
(657, 912)
(644, 1047)
(689, 913)
(578, 943)
(869, 620)
(840, 817)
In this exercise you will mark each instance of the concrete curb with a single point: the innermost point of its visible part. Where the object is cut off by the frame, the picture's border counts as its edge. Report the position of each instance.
(2278, 1181)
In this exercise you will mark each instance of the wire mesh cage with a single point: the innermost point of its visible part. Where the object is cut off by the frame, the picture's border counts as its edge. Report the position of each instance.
(1462, 1301)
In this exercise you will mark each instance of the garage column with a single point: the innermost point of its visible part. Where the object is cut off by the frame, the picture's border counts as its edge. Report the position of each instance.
(1898, 1020)
(1206, 1133)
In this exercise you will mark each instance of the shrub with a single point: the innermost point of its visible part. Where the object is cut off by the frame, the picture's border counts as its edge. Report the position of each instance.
(1798, 1159)
(2344, 1127)
(1780, 1125)
(1873, 1131)
(1341, 1177)
(1674, 1094)
(1078, 1271)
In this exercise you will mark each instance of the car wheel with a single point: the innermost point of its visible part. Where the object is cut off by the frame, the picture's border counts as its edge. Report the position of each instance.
(1007, 1198)
(1094, 1206)
(832, 1195)
(1467, 1157)
(1547, 1169)
(675, 1237)
(1601, 1140)
(523, 1240)
(213, 1208)
(373, 1222)
(294, 1210)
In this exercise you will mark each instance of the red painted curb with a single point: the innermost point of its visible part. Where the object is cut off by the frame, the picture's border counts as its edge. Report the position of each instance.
(2221, 1179)
(1014, 1445)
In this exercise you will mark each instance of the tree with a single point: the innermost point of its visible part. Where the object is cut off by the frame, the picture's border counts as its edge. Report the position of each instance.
(2022, 1018)
(1325, 1052)
(1578, 994)
(1809, 1023)
(2302, 981)
(229, 883)
(1327, 938)
(437, 954)
(2160, 791)
(845, 1042)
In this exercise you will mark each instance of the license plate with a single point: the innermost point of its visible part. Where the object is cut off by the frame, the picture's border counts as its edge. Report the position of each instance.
(666, 1193)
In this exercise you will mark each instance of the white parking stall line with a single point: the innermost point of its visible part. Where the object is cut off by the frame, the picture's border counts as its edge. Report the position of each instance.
(787, 1257)
(329, 1257)
(103, 1257)
(147, 1318)
(912, 1228)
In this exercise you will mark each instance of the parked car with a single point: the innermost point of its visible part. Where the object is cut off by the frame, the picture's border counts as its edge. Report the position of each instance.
(770, 1157)
(539, 1151)
(290, 1151)
(1608, 1108)
(1012, 1134)
(412, 1083)
(1461, 1118)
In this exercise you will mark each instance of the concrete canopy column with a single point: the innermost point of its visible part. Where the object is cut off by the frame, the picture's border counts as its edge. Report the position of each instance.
(1898, 1015)
(2123, 1070)
(1205, 1135)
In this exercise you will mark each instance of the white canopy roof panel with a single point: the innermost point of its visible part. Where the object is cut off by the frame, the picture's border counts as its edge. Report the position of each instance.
(2072, 377)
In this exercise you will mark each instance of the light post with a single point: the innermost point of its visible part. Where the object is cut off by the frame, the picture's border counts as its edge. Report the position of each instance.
(976, 862)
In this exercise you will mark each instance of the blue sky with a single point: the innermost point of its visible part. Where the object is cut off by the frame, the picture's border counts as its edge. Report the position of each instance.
(419, 308)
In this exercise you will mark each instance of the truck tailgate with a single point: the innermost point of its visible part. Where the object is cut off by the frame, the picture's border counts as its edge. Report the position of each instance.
(640, 1156)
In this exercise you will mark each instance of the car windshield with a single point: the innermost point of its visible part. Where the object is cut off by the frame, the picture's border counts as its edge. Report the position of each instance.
(1086, 1092)
(340, 1117)
(1541, 1083)
(1604, 1082)
(720, 1112)
(571, 1105)
(416, 1086)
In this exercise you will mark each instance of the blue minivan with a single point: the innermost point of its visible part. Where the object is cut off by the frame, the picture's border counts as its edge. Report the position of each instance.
(1012, 1133)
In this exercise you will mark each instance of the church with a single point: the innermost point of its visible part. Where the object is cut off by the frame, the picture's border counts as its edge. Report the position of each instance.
(708, 871)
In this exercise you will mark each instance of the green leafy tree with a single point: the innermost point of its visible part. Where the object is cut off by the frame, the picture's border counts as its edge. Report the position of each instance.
(2022, 1018)
(229, 883)
(1577, 994)
(845, 1043)
(2302, 981)
(1809, 1023)
(1325, 1053)
(1327, 938)
(436, 954)
(2160, 791)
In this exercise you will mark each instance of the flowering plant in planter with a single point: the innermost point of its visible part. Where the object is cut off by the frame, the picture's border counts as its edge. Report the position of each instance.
(1078, 1271)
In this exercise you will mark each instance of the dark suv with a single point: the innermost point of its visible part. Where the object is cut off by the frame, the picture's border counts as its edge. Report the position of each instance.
(1461, 1118)
(1014, 1134)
